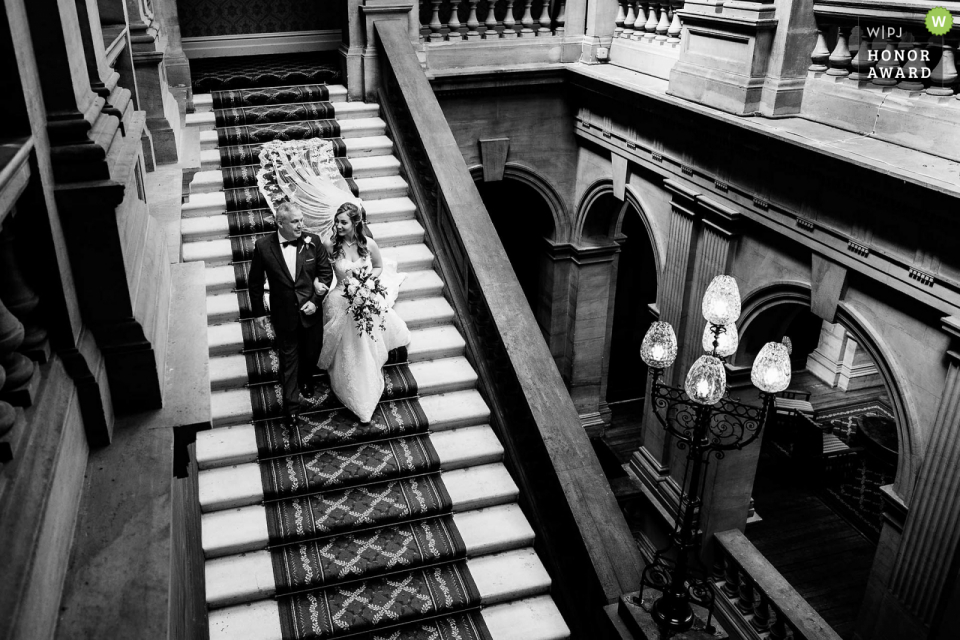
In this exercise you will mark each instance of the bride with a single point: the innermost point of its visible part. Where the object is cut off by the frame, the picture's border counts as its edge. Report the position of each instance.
(305, 172)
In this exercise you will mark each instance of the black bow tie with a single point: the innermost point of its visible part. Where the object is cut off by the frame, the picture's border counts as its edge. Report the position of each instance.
(287, 243)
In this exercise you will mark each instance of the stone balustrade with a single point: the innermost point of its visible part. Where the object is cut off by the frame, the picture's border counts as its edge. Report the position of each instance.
(753, 598)
(648, 21)
(470, 20)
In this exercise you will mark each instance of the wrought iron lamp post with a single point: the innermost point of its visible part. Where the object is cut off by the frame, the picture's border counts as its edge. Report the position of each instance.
(704, 421)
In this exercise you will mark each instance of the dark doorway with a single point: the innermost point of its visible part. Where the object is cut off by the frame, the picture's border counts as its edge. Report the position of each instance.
(636, 288)
(522, 219)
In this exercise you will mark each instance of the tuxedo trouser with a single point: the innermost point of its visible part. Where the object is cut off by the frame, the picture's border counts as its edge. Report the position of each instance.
(299, 351)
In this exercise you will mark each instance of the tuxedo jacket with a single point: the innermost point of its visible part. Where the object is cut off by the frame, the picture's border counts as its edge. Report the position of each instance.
(288, 294)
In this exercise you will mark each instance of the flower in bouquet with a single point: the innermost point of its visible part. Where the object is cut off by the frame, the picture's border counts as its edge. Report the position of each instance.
(366, 300)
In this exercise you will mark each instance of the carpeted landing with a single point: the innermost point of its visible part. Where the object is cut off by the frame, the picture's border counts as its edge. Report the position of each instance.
(404, 528)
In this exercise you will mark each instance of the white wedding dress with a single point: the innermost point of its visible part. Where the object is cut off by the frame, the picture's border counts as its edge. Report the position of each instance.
(355, 361)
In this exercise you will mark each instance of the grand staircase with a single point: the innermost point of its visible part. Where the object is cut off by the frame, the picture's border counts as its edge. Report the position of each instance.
(405, 528)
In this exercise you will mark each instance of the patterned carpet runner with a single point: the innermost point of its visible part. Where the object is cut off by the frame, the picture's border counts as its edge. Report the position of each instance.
(349, 466)
(273, 95)
(263, 365)
(357, 508)
(260, 133)
(246, 175)
(217, 74)
(316, 431)
(250, 198)
(265, 114)
(267, 399)
(380, 602)
(239, 155)
(466, 626)
(312, 565)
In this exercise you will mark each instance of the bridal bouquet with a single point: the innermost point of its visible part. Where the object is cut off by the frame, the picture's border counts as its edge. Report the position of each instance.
(366, 299)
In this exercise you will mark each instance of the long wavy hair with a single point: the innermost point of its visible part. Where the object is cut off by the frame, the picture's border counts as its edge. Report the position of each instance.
(356, 217)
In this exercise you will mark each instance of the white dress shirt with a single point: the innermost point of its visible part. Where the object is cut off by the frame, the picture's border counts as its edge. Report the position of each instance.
(289, 256)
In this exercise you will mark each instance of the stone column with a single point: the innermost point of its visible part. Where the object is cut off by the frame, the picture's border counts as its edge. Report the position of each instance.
(840, 362)
(925, 568)
(175, 62)
(600, 21)
(787, 65)
(372, 11)
(553, 312)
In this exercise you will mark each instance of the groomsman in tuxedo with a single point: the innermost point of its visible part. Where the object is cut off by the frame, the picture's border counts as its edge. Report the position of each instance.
(290, 260)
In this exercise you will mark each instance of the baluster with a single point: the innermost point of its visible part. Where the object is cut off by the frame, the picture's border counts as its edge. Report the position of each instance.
(913, 68)
(509, 22)
(778, 628)
(562, 18)
(731, 586)
(621, 16)
(8, 416)
(454, 23)
(945, 73)
(888, 66)
(527, 21)
(664, 23)
(422, 26)
(761, 612)
(651, 25)
(745, 603)
(435, 25)
(675, 27)
(820, 54)
(20, 298)
(19, 368)
(472, 22)
(491, 23)
(861, 63)
(629, 21)
(545, 20)
(840, 58)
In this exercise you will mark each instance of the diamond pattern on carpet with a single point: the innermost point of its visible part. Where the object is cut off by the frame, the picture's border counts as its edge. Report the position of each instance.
(260, 133)
(263, 365)
(312, 565)
(246, 176)
(347, 466)
(244, 154)
(379, 602)
(269, 113)
(316, 431)
(333, 512)
(272, 95)
(249, 72)
(466, 626)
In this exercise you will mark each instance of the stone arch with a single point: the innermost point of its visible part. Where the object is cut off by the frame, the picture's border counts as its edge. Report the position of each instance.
(798, 293)
(533, 179)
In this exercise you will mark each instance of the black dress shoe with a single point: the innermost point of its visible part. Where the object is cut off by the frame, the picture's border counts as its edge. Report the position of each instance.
(290, 417)
(307, 390)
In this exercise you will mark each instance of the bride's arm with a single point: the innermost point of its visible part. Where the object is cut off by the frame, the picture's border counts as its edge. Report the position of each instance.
(375, 260)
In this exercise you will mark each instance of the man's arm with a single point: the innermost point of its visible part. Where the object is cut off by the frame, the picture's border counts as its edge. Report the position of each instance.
(324, 271)
(255, 282)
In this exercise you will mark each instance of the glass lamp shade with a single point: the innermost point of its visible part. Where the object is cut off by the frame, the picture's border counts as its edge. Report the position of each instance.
(659, 347)
(706, 380)
(727, 342)
(771, 369)
(721, 302)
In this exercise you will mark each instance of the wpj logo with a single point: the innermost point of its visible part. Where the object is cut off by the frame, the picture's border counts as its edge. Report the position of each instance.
(938, 21)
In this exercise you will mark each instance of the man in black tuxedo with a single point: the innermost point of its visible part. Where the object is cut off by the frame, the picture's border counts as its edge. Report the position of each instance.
(291, 260)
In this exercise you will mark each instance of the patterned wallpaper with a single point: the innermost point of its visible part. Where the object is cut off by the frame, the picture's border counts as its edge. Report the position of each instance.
(231, 17)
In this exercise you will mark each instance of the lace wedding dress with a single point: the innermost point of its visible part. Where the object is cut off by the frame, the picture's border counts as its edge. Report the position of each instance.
(354, 361)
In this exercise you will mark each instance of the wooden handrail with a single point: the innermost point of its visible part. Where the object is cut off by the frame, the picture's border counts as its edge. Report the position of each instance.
(581, 533)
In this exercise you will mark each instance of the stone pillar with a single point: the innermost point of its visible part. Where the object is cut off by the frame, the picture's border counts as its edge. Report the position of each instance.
(163, 111)
(351, 50)
(175, 63)
(553, 312)
(600, 21)
(840, 362)
(786, 74)
(592, 280)
(925, 569)
(405, 11)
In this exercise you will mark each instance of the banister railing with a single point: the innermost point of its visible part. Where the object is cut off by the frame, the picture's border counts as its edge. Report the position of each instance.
(455, 20)
(755, 600)
(582, 536)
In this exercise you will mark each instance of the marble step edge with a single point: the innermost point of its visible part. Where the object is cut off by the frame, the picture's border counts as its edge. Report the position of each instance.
(422, 312)
(426, 343)
(233, 531)
(356, 148)
(238, 444)
(507, 577)
(215, 203)
(433, 377)
(206, 120)
(365, 167)
(246, 577)
(241, 485)
(204, 101)
(353, 128)
(409, 258)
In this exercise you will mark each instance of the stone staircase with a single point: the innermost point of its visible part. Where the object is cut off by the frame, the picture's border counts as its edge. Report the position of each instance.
(334, 528)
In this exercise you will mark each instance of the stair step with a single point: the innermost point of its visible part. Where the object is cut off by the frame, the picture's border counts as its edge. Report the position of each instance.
(534, 618)
(240, 485)
(425, 311)
(356, 148)
(369, 167)
(356, 128)
(500, 578)
(215, 203)
(220, 252)
(203, 102)
(227, 372)
(238, 444)
(241, 530)
(247, 577)
(433, 377)
(206, 120)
